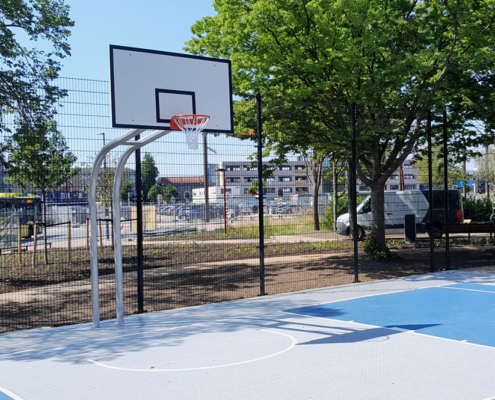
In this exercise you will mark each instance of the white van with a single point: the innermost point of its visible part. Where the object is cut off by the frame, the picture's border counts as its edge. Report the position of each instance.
(399, 204)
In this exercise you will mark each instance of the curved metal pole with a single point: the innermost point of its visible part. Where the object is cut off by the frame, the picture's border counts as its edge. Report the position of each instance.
(119, 171)
(95, 293)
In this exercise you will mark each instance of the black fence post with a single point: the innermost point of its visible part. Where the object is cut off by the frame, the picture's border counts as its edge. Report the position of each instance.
(353, 194)
(430, 196)
(139, 223)
(259, 128)
(446, 191)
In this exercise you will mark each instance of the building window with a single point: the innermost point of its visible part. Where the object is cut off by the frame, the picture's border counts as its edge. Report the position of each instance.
(249, 179)
(232, 179)
(406, 165)
(284, 168)
(300, 169)
(409, 187)
(394, 176)
(394, 187)
(233, 168)
(271, 179)
(269, 190)
(364, 188)
(287, 190)
(248, 168)
(301, 179)
(409, 176)
(301, 190)
(284, 179)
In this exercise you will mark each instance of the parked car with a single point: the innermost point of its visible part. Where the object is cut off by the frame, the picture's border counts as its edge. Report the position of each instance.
(247, 208)
(285, 209)
(189, 215)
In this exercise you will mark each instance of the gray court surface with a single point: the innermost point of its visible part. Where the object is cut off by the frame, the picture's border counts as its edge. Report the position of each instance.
(253, 349)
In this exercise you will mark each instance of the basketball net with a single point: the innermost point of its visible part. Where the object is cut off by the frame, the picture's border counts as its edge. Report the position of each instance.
(192, 125)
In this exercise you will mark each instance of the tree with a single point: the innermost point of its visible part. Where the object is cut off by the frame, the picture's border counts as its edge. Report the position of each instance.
(314, 165)
(149, 174)
(26, 74)
(125, 189)
(39, 159)
(456, 173)
(395, 59)
(154, 191)
(169, 192)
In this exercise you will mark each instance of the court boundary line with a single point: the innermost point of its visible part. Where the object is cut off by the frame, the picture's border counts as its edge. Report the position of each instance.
(290, 347)
(469, 290)
(10, 394)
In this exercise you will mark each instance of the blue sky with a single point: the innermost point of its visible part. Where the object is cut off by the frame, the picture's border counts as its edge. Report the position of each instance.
(150, 24)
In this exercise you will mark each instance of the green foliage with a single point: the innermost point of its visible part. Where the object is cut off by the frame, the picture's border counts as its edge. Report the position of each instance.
(38, 158)
(169, 192)
(376, 253)
(26, 75)
(394, 59)
(477, 209)
(154, 191)
(456, 173)
(125, 189)
(149, 174)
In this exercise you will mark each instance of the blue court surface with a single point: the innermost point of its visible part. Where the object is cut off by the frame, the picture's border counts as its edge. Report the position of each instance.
(464, 312)
(421, 337)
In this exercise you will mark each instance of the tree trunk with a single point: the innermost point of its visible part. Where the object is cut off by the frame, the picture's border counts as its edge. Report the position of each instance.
(316, 217)
(335, 195)
(377, 214)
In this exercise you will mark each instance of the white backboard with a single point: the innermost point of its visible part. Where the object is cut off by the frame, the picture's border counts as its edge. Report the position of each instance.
(149, 87)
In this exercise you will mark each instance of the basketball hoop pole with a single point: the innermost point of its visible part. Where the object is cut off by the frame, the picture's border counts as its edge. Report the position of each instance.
(93, 180)
(119, 171)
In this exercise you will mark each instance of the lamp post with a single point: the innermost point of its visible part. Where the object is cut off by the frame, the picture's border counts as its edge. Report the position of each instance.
(224, 199)
(105, 168)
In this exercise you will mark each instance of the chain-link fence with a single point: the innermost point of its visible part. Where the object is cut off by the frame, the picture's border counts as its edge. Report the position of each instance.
(201, 223)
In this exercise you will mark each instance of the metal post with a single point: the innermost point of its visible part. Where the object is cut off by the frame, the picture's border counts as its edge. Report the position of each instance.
(446, 191)
(139, 224)
(224, 201)
(206, 179)
(430, 195)
(93, 219)
(353, 193)
(259, 129)
(119, 171)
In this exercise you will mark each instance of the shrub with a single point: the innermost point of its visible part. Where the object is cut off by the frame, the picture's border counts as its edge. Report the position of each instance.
(476, 209)
(375, 254)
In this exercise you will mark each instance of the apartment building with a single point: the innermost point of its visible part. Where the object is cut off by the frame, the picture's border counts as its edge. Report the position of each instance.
(291, 178)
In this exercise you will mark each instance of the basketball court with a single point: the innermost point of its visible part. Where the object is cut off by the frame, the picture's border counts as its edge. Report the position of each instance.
(423, 337)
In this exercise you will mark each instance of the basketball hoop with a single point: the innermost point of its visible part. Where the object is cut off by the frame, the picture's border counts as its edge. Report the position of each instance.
(192, 125)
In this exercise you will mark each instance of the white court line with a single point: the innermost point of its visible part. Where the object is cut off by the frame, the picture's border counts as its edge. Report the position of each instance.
(409, 331)
(469, 290)
(290, 347)
(10, 394)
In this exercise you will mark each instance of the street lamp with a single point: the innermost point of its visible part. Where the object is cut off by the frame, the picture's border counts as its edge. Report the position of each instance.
(224, 198)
